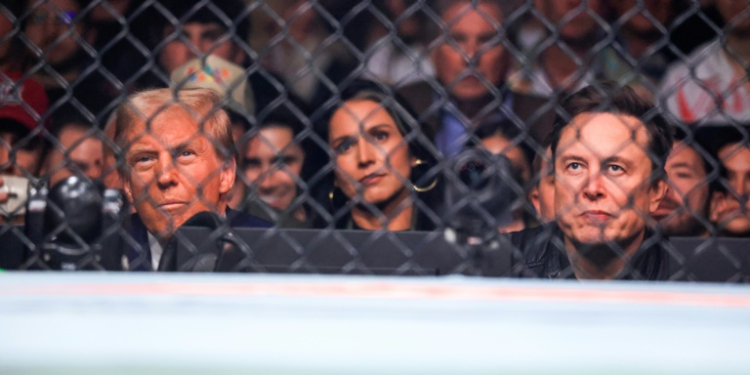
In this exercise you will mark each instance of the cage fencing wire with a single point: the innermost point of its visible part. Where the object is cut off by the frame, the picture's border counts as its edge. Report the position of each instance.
(376, 137)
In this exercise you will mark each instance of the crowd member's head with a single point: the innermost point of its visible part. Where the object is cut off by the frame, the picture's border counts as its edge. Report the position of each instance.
(735, 14)
(53, 27)
(730, 205)
(542, 193)
(198, 28)
(272, 161)
(12, 52)
(177, 156)
(503, 141)
(380, 163)
(576, 20)
(22, 105)
(609, 159)
(684, 209)
(644, 21)
(76, 151)
(471, 57)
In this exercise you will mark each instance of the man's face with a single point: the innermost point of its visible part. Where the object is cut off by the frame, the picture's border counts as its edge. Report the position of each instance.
(731, 210)
(602, 188)
(474, 34)
(50, 24)
(272, 162)
(687, 198)
(82, 155)
(574, 17)
(27, 154)
(174, 172)
(197, 39)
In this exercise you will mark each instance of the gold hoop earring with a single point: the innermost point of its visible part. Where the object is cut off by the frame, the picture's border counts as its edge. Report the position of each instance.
(427, 188)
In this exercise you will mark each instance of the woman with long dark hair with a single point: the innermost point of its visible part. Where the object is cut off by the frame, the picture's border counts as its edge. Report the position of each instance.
(382, 173)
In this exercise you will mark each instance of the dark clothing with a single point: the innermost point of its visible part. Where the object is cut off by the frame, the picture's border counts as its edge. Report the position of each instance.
(139, 257)
(536, 113)
(273, 215)
(542, 255)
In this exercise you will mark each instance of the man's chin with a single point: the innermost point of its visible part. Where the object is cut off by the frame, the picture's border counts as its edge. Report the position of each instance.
(737, 227)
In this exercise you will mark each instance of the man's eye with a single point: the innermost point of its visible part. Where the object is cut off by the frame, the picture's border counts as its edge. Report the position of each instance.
(141, 160)
(574, 166)
(184, 154)
(615, 168)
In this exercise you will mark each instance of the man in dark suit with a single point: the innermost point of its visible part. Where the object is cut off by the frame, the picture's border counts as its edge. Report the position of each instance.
(178, 162)
(471, 64)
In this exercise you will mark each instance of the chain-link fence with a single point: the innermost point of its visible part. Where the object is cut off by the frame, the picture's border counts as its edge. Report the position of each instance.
(583, 139)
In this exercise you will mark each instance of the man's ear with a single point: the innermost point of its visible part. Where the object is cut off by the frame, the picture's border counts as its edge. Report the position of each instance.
(227, 176)
(128, 192)
(657, 192)
(534, 199)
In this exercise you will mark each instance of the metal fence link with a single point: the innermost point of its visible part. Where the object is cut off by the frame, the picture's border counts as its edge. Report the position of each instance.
(405, 137)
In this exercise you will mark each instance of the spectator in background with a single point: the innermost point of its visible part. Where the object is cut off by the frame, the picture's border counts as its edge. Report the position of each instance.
(730, 203)
(643, 56)
(684, 209)
(542, 193)
(383, 172)
(76, 151)
(609, 177)
(203, 32)
(13, 55)
(564, 62)
(500, 143)
(176, 169)
(23, 105)
(711, 85)
(306, 59)
(399, 57)
(471, 62)
(272, 162)
(54, 29)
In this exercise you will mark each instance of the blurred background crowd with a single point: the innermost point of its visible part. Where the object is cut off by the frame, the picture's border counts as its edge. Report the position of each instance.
(316, 90)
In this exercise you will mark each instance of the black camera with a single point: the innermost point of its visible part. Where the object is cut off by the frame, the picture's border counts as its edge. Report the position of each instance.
(75, 225)
(480, 196)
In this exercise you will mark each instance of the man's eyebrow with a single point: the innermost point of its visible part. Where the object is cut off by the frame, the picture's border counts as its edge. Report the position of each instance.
(565, 158)
(618, 159)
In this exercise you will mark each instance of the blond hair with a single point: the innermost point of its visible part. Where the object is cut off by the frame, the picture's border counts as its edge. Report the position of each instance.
(202, 104)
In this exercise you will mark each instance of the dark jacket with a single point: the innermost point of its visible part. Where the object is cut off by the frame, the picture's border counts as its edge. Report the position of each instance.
(541, 254)
(139, 256)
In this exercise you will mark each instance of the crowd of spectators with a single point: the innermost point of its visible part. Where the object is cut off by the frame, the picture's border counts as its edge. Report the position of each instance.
(348, 115)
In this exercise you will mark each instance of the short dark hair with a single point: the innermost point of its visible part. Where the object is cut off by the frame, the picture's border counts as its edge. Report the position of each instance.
(202, 11)
(610, 97)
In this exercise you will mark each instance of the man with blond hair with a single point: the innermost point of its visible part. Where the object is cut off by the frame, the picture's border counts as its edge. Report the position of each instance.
(177, 162)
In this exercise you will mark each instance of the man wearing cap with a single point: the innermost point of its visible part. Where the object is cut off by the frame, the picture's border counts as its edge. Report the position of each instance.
(203, 44)
(22, 104)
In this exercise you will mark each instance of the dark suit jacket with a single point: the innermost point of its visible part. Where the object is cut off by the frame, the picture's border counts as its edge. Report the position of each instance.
(544, 256)
(537, 113)
(139, 256)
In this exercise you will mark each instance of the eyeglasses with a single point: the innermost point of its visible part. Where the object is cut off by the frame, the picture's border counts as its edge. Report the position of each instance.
(61, 18)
